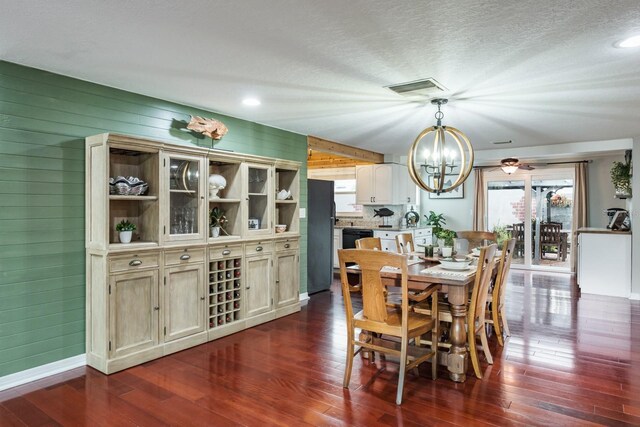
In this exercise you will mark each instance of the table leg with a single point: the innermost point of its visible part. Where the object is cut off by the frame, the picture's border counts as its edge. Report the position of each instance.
(457, 358)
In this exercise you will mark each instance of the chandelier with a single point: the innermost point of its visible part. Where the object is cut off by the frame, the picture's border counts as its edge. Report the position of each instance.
(443, 164)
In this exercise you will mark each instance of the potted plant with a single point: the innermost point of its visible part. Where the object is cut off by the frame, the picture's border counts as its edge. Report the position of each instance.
(436, 221)
(502, 234)
(621, 178)
(125, 230)
(446, 236)
(217, 220)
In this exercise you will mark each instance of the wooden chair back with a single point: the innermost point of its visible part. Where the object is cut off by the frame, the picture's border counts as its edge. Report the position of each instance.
(369, 243)
(477, 238)
(499, 285)
(478, 304)
(404, 243)
(518, 234)
(550, 233)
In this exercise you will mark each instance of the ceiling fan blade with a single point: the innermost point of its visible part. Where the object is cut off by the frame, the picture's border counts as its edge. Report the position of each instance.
(526, 167)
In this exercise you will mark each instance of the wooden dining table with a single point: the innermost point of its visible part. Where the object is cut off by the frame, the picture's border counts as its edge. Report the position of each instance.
(458, 296)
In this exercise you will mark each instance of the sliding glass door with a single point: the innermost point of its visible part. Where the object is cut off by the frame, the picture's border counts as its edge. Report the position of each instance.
(535, 206)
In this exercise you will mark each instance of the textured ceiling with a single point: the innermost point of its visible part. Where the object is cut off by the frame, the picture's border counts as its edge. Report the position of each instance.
(535, 72)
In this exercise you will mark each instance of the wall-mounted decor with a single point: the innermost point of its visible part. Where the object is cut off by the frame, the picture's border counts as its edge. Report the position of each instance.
(456, 193)
(212, 128)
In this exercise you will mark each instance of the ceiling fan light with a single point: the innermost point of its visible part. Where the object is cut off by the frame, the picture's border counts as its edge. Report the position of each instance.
(509, 169)
(629, 42)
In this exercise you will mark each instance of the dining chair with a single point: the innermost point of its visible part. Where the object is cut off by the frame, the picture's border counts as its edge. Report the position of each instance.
(404, 243)
(384, 322)
(518, 234)
(369, 243)
(496, 314)
(550, 238)
(477, 238)
(477, 309)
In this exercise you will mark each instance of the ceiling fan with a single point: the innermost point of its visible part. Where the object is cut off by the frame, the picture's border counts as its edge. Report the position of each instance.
(510, 165)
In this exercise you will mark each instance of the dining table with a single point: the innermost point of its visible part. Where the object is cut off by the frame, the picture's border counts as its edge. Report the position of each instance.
(456, 285)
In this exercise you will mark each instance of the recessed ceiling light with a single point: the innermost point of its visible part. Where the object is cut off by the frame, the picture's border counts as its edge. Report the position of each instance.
(251, 102)
(629, 42)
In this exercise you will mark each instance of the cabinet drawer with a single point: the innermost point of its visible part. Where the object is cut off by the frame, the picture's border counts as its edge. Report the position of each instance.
(133, 262)
(285, 245)
(226, 251)
(183, 256)
(423, 232)
(258, 248)
(385, 234)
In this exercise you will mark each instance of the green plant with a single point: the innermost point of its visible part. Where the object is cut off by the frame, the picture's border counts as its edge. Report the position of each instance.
(436, 220)
(502, 234)
(621, 176)
(125, 225)
(217, 217)
(447, 236)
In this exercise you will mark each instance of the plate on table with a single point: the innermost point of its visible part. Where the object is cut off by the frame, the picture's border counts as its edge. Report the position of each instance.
(475, 252)
(457, 264)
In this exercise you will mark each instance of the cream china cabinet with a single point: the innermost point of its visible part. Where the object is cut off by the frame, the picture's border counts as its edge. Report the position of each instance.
(175, 286)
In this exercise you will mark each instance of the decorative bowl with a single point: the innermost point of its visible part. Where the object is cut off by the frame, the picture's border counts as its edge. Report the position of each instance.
(281, 228)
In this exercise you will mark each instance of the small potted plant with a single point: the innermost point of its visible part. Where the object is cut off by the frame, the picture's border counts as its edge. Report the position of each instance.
(125, 230)
(436, 221)
(502, 234)
(621, 178)
(446, 236)
(217, 220)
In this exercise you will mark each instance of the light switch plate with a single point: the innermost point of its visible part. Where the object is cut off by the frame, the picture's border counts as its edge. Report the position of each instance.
(303, 212)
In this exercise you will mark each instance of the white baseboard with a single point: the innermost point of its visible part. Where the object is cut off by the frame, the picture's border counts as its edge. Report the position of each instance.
(304, 299)
(33, 374)
(634, 296)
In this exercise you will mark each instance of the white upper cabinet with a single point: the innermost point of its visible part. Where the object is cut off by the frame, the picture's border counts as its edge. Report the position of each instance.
(384, 184)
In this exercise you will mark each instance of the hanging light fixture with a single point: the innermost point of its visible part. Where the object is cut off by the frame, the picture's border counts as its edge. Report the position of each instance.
(443, 164)
(509, 165)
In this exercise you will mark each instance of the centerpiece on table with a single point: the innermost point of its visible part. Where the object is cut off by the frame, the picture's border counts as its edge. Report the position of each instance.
(445, 241)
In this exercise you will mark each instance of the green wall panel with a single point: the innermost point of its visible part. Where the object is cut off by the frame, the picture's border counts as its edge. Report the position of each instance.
(44, 119)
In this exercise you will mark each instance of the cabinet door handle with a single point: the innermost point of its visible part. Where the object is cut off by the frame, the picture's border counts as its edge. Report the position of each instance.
(286, 246)
(258, 248)
(202, 298)
(226, 252)
(185, 257)
(135, 262)
(156, 308)
(277, 282)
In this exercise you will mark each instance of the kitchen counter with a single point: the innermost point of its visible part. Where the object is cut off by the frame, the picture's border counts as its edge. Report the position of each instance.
(594, 230)
(364, 227)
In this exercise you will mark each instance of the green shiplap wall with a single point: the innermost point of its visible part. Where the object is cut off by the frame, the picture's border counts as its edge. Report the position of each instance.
(44, 119)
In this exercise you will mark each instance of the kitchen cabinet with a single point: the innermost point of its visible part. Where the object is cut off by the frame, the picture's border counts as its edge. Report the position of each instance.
(388, 237)
(259, 197)
(337, 244)
(598, 248)
(386, 183)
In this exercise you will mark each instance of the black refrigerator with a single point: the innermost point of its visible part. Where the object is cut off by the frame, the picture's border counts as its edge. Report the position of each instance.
(321, 218)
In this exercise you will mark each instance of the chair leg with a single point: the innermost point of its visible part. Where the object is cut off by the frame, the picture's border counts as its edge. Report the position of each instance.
(495, 315)
(473, 354)
(503, 319)
(485, 345)
(403, 370)
(435, 335)
(350, 351)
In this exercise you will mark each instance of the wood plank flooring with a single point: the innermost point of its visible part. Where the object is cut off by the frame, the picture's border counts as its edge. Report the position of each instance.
(571, 361)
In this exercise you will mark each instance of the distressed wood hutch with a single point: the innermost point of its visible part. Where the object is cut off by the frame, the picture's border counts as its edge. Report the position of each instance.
(174, 286)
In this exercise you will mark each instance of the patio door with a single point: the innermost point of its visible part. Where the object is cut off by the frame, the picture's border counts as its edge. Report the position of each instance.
(536, 208)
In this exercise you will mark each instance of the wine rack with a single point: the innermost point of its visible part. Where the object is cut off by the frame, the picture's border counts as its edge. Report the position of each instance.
(225, 291)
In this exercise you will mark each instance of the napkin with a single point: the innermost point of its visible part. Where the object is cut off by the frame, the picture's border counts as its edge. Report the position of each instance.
(438, 271)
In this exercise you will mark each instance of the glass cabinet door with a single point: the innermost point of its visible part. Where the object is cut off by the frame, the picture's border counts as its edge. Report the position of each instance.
(185, 219)
(259, 200)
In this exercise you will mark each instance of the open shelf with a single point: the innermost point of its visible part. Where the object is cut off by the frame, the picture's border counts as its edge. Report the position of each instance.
(232, 174)
(232, 212)
(286, 202)
(116, 197)
(225, 291)
(287, 210)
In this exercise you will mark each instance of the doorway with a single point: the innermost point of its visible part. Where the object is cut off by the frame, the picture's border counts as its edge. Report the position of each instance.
(536, 208)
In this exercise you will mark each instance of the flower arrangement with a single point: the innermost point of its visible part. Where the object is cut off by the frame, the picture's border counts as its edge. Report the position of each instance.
(560, 201)
(217, 218)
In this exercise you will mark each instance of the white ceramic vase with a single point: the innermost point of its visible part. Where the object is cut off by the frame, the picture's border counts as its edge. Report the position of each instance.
(215, 231)
(447, 251)
(125, 236)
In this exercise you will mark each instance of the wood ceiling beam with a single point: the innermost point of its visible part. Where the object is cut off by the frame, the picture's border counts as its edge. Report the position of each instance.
(318, 144)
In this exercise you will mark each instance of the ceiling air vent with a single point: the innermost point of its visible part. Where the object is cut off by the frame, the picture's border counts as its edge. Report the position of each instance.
(502, 142)
(426, 87)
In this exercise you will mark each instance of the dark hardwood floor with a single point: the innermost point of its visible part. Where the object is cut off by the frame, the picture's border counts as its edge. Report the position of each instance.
(571, 361)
